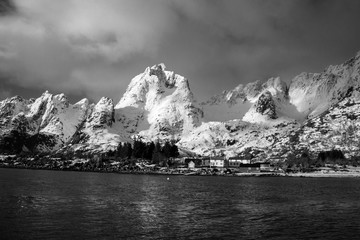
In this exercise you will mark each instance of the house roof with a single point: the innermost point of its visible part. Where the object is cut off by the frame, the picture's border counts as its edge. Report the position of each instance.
(264, 162)
(195, 160)
(250, 165)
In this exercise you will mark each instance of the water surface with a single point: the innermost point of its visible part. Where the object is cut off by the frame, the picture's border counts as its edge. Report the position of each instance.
(38, 204)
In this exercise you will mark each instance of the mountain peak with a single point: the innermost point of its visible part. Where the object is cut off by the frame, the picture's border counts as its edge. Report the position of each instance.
(162, 100)
(160, 66)
(152, 85)
(158, 103)
(276, 86)
(105, 101)
(156, 70)
(46, 93)
(17, 98)
(357, 54)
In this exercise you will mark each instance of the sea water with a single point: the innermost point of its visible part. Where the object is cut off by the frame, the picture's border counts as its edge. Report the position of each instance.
(39, 204)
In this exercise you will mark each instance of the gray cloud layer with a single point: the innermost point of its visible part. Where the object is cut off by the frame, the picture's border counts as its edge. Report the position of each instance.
(89, 48)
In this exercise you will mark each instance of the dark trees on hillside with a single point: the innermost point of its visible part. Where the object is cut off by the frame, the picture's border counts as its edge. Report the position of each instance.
(154, 152)
(162, 154)
(174, 152)
(157, 156)
(166, 149)
(331, 155)
(128, 150)
(124, 151)
(16, 142)
(139, 149)
(13, 142)
(304, 162)
(150, 147)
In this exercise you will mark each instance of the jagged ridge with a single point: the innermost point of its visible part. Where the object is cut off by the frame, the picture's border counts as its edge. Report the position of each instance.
(158, 104)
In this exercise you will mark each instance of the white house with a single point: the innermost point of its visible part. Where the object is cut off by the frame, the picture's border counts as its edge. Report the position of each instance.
(236, 161)
(217, 162)
(191, 165)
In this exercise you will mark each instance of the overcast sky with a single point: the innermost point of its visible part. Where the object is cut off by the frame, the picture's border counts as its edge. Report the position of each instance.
(93, 48)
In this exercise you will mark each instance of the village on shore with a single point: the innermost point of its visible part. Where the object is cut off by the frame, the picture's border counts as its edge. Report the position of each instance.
(205, 166)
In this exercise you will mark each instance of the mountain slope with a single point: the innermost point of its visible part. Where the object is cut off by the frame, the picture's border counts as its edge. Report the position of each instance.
(266, 119)
(276, 112)
(159, 104)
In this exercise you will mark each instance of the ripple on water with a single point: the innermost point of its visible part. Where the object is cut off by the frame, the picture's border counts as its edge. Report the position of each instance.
(58, 205)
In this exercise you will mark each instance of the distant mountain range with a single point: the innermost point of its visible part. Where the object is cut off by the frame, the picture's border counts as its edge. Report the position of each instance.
(270, 119)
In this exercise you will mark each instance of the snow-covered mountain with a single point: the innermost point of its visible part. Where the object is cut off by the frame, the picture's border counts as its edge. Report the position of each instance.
(269, 118)
(264, 115)
(160, 104)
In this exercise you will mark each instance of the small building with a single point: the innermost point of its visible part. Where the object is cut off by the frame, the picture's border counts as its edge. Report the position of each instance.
(265, 167)
(235, 162)
(191, 165)
(249, 168)
(178, 160)
(193, 162)
(205, 162)
(217, 162)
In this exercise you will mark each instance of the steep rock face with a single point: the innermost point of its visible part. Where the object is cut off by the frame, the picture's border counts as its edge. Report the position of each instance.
(98, 131)
(159, 104)
(263, 110)
(313, 93)
(63, 119)
(9, 108)
(240, 102)
(45, 123)
(265, 105)
(276, 88)
(12, 106)
(102, 114)
(230, 104)
(336, 128)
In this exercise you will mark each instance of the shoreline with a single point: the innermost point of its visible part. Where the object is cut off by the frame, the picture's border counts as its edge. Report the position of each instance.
(324, 175)
(338, 174)
(142, 168)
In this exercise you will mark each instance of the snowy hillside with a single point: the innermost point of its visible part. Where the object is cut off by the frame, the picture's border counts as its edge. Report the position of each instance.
(266, 119)
(275, 112)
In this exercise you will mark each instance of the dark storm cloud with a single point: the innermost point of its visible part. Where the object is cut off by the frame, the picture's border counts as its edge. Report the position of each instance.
(259, 39)
(80, 45)
(93, 48)
(7, 7)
